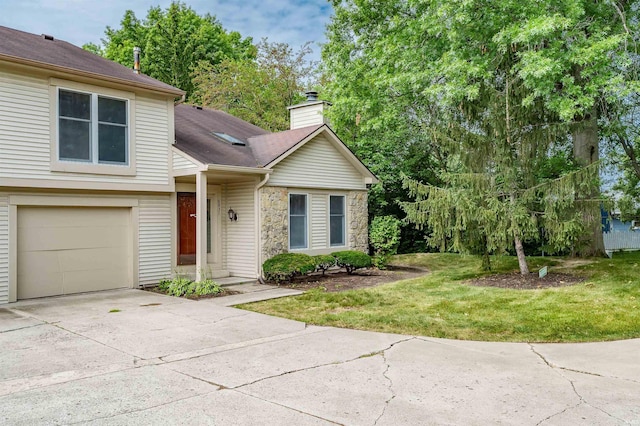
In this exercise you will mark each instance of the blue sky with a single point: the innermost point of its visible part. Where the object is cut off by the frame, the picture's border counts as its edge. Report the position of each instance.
(81, 21)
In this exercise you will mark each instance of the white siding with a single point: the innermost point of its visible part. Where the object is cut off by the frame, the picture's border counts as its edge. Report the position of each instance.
(240, 239)
(181, 162)
(317, 165)
(155, 239)
(4, 249)
(307, 116)
(25, 135)
(319, 215)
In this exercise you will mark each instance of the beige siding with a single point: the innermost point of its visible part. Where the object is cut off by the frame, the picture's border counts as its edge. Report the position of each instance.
(25, 136)
(155, 239)
(241, 234)
(24, 126)
(4, 249)
(152, 146)
(317, 164)
(307, 116)
(181, 162)
(319, 214)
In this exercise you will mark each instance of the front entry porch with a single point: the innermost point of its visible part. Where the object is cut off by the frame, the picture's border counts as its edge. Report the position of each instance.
(217, 224)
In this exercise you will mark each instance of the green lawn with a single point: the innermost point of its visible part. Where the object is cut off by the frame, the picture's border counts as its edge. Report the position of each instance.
(604, 307)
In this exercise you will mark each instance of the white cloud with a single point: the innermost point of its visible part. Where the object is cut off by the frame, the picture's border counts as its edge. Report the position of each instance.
(82, 21)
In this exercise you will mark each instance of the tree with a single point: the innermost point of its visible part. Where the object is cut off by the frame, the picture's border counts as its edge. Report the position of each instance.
(173, 41)
(258, 91)
(567, 56)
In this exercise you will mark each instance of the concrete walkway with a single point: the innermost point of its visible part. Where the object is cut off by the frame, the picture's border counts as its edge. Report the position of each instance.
(132, 357)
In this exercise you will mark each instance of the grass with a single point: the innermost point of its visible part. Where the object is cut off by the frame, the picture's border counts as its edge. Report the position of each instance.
(604, 307)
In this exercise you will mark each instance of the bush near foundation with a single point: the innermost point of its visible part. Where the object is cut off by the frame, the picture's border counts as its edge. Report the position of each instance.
(285, 266)
(352, 260)
(324, 262)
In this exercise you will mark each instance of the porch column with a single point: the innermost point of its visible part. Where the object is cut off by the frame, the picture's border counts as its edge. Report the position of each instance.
(201, 226)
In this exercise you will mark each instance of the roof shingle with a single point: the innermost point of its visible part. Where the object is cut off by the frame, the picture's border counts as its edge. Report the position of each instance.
(194, 136)
(19, 45)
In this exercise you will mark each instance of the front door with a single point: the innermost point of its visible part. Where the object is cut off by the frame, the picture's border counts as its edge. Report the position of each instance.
(186, 228)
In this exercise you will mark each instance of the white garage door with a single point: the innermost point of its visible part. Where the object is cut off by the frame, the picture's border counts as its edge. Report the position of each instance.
(64, 250)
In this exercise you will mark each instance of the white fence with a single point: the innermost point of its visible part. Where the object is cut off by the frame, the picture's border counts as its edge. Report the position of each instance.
(622, 240)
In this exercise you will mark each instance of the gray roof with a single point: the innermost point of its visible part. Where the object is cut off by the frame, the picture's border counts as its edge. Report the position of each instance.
(195, 128)
(19, 46)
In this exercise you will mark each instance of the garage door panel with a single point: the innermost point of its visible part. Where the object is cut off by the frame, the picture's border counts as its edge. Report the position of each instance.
(68, 238)
(40, 281)
(99, 279)
(93, 259)
(73, 216)
(63, 250)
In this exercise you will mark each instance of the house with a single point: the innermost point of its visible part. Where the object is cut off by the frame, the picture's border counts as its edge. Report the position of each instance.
(108, 181)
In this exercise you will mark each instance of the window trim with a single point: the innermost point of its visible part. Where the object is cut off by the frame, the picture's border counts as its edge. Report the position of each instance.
(344, 221)
(71, 166)
(307, 221)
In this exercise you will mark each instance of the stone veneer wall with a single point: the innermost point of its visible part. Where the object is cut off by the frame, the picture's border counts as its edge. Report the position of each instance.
(274, 232)
(358, 221)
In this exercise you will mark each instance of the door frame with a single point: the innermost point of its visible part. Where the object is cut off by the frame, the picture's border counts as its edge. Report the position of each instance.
(180, 195)
(214, 197)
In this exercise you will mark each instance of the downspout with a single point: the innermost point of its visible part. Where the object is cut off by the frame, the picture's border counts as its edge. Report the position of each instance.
(181, 100)
(260, 184)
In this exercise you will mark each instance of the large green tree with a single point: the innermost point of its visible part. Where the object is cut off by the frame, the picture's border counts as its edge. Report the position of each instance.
(567, 56)
(258, 90)
(173, 42)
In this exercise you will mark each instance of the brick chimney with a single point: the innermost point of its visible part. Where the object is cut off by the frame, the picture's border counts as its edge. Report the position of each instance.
(309, 113)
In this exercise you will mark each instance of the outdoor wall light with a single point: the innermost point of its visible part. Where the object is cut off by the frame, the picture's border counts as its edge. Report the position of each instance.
(232, 215)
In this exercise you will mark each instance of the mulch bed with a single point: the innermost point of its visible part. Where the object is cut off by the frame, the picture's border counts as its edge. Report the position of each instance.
(339, 280)
(517, 281)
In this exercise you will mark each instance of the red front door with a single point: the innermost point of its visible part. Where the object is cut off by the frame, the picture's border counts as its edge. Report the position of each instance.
(186, 229)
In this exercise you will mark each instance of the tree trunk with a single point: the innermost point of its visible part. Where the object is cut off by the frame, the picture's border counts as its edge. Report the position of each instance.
(522, 260)
(517, 241)
(586, 144)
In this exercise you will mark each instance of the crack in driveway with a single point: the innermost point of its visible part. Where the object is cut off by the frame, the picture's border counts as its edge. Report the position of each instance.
(285, 373)
(558, 371)
(384, 373)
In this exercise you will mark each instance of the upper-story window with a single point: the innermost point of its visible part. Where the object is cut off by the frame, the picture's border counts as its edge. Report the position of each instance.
(92, 128)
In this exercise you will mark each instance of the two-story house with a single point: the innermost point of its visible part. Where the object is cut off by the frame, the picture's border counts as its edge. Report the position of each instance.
(108, 181)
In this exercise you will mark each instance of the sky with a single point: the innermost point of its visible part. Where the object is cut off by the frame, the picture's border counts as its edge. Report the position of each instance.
(81, 21)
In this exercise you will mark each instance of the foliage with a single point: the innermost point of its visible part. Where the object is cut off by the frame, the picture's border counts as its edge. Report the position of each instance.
(352, 260)
(402, 72)
(324, 262)
(178, 287)
(173, 42)
(205, 287)
(258, 91)
(384, 236)
(442, 304)
(285, 266)
(182, 286)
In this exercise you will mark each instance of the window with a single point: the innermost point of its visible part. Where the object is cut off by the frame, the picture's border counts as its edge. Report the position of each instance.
(336, 220)
(92, 128)
(297, 221)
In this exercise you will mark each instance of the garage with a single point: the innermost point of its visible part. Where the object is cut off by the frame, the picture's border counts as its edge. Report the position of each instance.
(65, 250)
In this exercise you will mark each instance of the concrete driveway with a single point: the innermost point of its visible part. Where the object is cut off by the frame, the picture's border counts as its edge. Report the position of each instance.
(132, 357)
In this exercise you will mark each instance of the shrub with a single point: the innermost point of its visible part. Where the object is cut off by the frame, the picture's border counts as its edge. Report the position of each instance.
(205, 287)
(285, 266)
(176, 287)
(384, 235)
(324, 262)
(352, 260)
